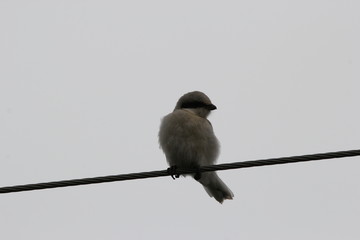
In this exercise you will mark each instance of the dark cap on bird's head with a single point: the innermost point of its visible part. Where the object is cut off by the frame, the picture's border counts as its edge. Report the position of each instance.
(195, 99)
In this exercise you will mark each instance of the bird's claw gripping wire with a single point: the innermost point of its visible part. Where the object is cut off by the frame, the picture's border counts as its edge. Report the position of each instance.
(172, 171)
(197, 175)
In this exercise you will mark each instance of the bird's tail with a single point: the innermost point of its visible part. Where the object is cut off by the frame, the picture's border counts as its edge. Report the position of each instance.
(215, 187)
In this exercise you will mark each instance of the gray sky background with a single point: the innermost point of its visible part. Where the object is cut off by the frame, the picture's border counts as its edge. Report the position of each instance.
(84, 84)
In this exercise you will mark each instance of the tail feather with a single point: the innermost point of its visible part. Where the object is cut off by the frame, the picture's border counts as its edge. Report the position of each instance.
(215, 187)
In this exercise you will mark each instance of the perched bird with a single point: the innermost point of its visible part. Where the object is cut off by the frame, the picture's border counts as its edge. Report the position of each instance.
(188, 141)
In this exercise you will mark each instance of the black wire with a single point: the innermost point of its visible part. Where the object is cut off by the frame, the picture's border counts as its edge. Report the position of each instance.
(226, 166)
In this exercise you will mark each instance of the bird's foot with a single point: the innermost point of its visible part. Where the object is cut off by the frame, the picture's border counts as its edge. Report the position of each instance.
(172, 171)
(197, 175)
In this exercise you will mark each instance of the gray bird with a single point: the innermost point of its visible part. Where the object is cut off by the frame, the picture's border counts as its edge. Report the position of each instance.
(187, 138)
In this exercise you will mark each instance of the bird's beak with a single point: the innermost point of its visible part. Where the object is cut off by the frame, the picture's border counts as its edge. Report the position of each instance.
(211, 107)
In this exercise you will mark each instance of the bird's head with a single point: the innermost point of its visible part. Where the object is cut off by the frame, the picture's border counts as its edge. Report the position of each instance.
(196, 102)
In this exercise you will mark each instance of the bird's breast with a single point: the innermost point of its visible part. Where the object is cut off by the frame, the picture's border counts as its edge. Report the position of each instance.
(188, 140)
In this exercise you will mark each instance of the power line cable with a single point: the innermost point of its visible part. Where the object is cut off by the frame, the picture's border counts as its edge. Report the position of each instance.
(177, 171)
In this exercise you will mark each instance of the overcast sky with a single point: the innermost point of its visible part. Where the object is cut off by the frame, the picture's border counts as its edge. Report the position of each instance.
(84, 84)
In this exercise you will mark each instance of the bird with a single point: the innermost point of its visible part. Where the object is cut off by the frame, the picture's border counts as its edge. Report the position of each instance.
(187, 138)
